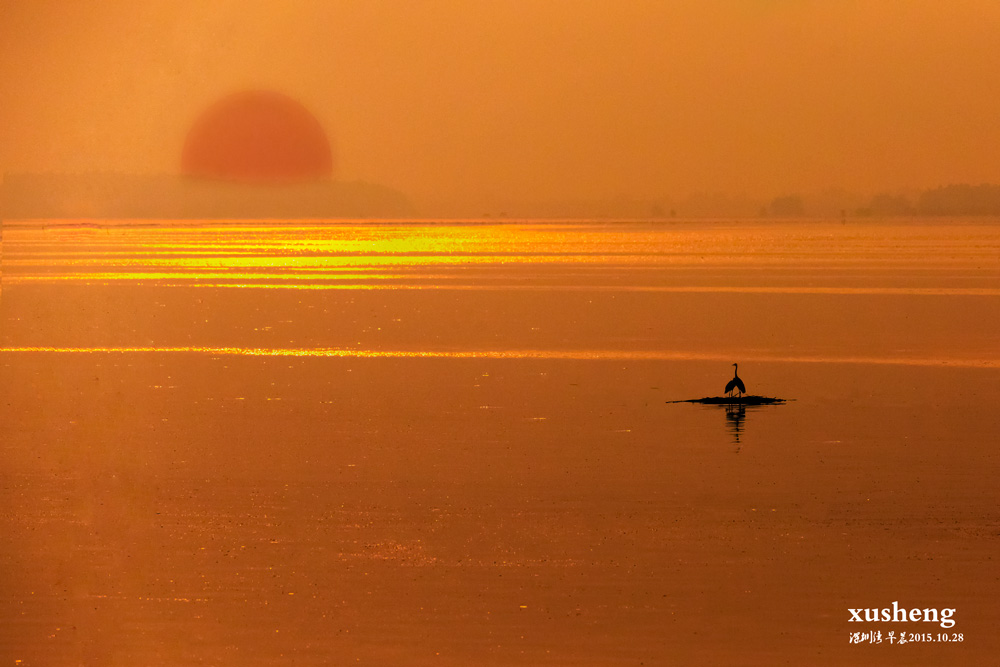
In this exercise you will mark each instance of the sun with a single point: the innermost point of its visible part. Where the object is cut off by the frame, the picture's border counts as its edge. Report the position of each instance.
(257, 136)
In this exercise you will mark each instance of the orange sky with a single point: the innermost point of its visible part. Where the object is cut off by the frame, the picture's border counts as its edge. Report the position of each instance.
(534, 99)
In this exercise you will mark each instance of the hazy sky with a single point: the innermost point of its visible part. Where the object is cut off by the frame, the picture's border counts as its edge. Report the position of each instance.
(534, 99)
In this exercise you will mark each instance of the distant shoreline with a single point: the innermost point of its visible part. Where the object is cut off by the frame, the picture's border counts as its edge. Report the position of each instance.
(107, 196)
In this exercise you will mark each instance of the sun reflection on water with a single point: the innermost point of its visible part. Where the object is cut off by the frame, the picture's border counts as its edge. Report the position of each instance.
(553, 290)
(401, 255)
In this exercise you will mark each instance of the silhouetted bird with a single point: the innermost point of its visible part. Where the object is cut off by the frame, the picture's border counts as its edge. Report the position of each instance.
(735, 383)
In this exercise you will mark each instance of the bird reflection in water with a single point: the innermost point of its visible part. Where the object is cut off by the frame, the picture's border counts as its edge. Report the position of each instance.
(735, 414)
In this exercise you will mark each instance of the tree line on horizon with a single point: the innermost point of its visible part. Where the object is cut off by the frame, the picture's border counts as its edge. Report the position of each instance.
(162, 196)
(961, 199)
(948, 200)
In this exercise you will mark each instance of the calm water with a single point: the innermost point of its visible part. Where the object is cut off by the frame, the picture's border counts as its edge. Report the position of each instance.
(451, 443)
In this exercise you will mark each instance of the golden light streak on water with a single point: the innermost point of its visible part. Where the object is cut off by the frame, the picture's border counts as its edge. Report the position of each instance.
(570, 355)
(339, 282)
(707, 242)
(397, 255)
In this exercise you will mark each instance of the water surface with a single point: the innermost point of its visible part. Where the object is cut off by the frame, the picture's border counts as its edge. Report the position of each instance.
(427, 443)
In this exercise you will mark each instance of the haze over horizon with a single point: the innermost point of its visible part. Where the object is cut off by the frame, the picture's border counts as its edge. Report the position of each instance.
(463, 102)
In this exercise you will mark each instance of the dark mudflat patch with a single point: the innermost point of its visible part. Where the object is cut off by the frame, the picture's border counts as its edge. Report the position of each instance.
(746, 399)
